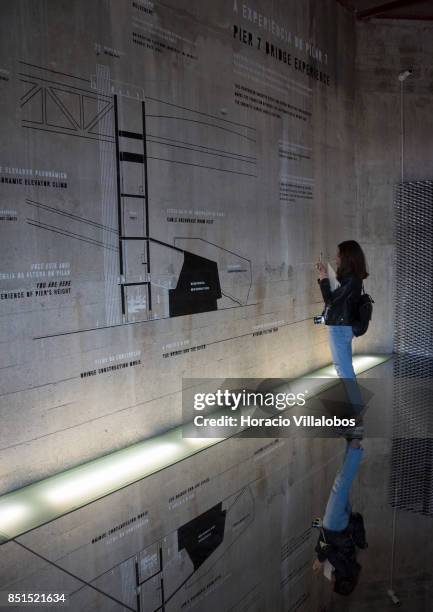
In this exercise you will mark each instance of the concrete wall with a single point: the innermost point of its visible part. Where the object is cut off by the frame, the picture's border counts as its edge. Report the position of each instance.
(62, 65)
(211, 156)
(275, 178)
(383, 51)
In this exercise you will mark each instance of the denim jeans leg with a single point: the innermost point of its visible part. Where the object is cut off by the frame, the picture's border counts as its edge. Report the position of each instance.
(338, 508)
(340, 341)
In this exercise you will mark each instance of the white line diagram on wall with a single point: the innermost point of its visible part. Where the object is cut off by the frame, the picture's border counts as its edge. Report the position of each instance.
(156, 279)
(204, 559)
(193, 557)
(60, 103)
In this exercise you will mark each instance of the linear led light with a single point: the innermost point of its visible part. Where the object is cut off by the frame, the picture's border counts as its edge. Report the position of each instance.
(113, 472)
(11, 514)
(51, 498)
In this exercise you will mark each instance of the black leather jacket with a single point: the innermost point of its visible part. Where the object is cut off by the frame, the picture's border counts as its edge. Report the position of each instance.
(341, 304)
(339, 550)
(339, 547)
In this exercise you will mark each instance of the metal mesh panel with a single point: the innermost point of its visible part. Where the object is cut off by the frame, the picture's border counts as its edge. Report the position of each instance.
(412, 447)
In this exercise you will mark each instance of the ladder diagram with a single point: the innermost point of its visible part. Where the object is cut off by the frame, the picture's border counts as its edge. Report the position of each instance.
(147, 291)
(133, 211)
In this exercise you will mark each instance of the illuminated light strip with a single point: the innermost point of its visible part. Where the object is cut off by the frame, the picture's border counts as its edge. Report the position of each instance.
(51, 498)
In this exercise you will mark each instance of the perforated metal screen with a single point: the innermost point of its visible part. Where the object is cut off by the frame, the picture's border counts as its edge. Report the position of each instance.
(412, 446)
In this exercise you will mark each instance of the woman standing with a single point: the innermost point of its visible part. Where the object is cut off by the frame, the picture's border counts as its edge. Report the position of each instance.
(341, 311)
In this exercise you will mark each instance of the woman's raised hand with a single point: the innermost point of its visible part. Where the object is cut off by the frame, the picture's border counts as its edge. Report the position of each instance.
(321, 269)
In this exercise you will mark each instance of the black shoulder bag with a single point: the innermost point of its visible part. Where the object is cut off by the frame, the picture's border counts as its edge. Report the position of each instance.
(365, 312)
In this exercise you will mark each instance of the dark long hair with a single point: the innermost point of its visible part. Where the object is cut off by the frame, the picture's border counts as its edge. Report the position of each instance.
(345, 586)
(352, 260)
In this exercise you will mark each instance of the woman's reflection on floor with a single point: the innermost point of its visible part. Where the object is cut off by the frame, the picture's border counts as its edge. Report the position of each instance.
(342, 531)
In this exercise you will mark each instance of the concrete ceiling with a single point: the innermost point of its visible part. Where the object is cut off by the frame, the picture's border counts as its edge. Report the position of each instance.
(419, 10)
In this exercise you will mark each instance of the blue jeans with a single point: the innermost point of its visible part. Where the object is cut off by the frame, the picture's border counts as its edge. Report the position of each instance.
(340, 341)
(338, 508)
